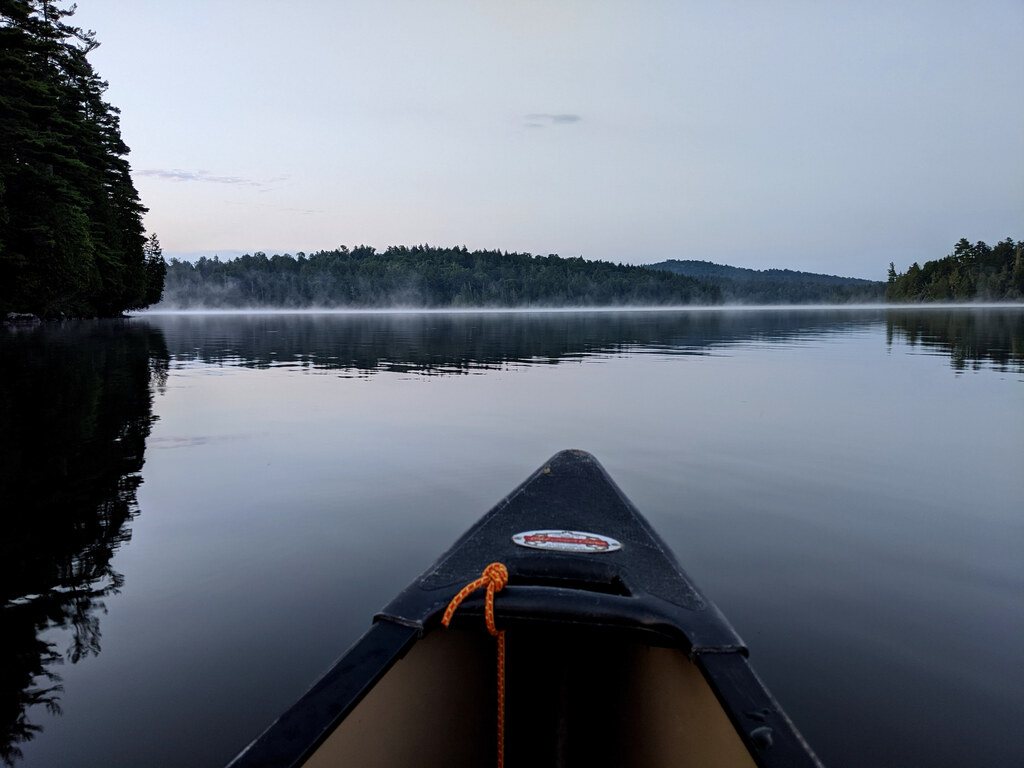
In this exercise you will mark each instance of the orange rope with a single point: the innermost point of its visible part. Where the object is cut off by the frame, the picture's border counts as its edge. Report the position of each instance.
(495, 577)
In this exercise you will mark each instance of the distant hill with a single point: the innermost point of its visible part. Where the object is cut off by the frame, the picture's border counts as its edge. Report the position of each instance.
(775, 286)
(710, 269)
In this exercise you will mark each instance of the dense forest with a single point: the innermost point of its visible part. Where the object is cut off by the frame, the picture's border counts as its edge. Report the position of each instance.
(423, 276)
(776, 286)
(975, 272)
(71, 234)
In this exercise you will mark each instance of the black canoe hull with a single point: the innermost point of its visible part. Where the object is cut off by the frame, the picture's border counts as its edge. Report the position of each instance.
(613, 657)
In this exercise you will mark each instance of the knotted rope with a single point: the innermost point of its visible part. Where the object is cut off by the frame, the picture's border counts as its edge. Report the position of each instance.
(495, 577)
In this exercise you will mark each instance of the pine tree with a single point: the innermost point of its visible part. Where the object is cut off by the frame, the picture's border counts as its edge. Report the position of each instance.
(71, 234)
(156, 270)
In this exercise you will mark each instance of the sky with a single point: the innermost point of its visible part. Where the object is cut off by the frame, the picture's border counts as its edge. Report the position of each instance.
(823, 136)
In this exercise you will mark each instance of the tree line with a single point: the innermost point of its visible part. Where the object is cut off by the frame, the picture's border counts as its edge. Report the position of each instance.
(427, 276)
(969, 273)
(71, 235)
(423, 276)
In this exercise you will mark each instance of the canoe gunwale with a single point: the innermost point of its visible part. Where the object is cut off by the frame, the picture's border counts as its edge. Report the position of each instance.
(658, 621)
(299, 731)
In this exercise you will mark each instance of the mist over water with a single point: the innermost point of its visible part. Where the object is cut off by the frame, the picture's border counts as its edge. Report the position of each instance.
(843, 483)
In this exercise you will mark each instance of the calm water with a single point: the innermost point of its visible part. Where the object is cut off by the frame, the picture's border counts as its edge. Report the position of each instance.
(199, 513)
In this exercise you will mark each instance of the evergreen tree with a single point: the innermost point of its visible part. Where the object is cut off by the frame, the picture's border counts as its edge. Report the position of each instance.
(971, 272)
(71, 235)
(156, 270)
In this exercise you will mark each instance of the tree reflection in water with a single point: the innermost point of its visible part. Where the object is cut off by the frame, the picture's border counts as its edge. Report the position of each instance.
(75, 411)
(971, 339)
(459, 343)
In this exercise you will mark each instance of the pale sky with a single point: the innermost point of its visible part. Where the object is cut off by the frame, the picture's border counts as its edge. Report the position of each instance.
(823, 136)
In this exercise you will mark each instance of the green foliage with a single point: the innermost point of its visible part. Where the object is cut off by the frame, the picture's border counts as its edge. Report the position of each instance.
(71, 235)
(970, 273)
(422, 276)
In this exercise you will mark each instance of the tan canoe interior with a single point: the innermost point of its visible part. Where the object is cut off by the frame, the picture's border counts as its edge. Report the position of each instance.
(573, 699)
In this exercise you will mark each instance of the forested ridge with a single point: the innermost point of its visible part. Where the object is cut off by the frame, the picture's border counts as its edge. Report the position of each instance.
(422, 276)
(695, 268)
(427, 276)
(71, 235)
(977, 272)
(776, 286)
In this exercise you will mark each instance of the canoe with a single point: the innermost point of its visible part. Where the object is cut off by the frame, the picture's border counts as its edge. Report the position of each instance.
(611, 655)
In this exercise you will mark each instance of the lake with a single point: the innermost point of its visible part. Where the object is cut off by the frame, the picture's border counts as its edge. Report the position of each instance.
(201, 512)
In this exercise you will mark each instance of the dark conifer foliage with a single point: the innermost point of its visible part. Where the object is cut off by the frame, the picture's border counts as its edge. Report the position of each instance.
(71, 235)
(977, 272)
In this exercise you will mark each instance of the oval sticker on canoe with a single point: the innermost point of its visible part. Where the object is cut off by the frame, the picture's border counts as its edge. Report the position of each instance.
(566, 541)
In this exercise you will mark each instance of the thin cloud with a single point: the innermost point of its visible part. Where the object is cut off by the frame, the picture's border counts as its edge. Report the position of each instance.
(544, 119)
(249, 204)
(177, 174)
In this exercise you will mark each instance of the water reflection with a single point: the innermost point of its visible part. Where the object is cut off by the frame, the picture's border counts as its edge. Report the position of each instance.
(450, 343)
(971, 339)
(75, 410)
